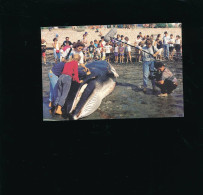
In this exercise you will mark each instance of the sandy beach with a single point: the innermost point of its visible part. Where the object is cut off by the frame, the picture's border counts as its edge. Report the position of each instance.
(92, 35)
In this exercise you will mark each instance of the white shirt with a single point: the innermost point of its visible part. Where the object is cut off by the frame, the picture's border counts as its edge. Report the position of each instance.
(171, 40)
(128, 48)
(137, 41)
(74, 52)
(103, 43)
(107, 48)
(98, 50)
(165, 40)
(61, 52)
(177, 41)
(116, 49)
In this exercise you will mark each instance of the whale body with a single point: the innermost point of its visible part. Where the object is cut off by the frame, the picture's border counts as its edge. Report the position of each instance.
(85, 98)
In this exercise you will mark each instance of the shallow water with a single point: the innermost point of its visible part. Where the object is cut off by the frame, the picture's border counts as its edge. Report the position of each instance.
(127, 100)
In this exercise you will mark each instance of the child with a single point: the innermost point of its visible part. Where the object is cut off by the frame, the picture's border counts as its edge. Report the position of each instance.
(116, 52)
(98, 52)
(43, 47)
(166, 80)
(177, 46)
(91, 50)
(66, 46)
(121, 52)
(69, 73)
(171, 47)
(128, 50)
(95, 43)
(107, 48)
(56, 49)
(61, 52)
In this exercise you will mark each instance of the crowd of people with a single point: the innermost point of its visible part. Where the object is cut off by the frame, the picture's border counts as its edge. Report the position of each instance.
(118, 50)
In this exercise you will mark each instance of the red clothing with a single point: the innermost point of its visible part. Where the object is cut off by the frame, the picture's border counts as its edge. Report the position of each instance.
(71, 69)
(66, 47)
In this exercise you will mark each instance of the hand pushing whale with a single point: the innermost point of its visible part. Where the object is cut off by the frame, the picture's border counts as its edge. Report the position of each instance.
(85, 98)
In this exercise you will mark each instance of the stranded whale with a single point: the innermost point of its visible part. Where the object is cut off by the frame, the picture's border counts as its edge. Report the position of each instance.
(85, 98)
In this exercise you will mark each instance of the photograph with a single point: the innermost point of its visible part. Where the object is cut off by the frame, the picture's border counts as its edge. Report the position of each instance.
(118, 71)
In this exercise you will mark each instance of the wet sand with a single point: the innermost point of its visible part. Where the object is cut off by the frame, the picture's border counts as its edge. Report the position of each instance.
(127, 100)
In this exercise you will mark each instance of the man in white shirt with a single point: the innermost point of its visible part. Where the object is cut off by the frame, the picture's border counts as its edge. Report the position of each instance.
(166, 45)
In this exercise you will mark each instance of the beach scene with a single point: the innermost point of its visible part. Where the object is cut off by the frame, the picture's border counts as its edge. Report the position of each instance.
(123, 80)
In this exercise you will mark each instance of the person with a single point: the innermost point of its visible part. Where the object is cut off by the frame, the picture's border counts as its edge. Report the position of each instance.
(103, 42)
(128, 50)
(159, 46)
(67, 41)
(137, 51)
(61, 52)
(84, 40)
(171, 47)
(118, 38)
(68, 45)
(107, 49)
(53, 75)
(140, 34)
(177, 46)
(116, 52)
(148, 63)
(122, 40)
(43, 48)
(98, 52)
(121, 53)
(95, 43)
(91, 50)
(153, 41)
(69, 73)
(56, 49)
(166, 45)
(165, 80)
(76, 49)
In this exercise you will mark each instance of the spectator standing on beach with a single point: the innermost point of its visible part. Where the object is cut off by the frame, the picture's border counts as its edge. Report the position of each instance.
(116, 52)
(137, 51)
(177, 46)
(61, 52)
(43, 48)
(159, 46)
(91, 50)
(68, 45)
(69, 73)
(171, 47)
(76, 49)
(140, 34)
(98, 52)
(107, 48)
(148, 63)
(67, 41)
(118, 38)
(166, 45)
(56, 49)
(103, 42)
(128, 50)
(84, 40)
(95, 43)
(121, 53)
